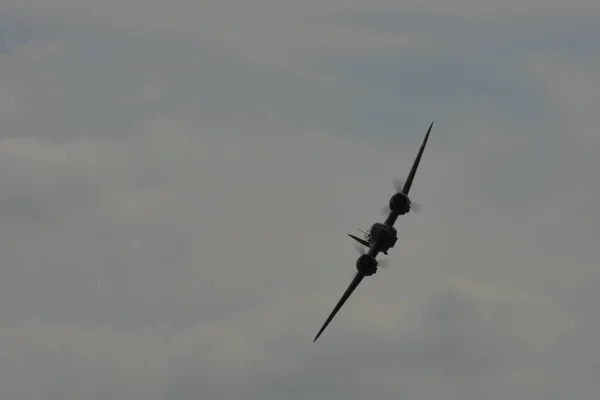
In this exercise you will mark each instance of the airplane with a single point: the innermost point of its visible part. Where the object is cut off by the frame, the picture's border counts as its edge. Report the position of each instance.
(381, 237)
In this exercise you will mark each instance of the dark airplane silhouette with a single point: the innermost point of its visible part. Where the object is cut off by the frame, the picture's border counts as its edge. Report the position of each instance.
(381, 236)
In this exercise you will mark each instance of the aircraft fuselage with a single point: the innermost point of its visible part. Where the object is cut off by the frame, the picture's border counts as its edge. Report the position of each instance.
(382, 237)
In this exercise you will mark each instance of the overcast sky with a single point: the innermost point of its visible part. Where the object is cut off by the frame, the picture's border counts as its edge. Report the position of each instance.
(177, 179)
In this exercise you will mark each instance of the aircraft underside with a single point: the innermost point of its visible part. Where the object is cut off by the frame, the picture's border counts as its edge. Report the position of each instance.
(381, 236)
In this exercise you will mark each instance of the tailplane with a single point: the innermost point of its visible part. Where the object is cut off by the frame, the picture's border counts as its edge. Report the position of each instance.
(361, 241)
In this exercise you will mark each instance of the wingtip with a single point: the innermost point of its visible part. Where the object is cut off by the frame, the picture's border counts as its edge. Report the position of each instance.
(319, 334)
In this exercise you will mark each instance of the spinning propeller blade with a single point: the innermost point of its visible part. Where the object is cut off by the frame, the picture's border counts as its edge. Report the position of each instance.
(398, 185)
(359, 248)
(416, 207)
(384, 263)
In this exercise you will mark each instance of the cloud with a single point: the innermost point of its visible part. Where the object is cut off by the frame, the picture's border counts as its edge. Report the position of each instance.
(461, 335)
(176, 185)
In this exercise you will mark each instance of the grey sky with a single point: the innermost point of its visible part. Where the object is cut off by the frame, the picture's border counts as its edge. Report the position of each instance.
(177, 180)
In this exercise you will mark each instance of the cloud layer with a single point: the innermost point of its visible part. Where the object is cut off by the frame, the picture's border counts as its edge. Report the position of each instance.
(177, 181)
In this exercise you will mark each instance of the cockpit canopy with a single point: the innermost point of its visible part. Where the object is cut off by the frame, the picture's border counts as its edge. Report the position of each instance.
(376, 229)
(385, 236)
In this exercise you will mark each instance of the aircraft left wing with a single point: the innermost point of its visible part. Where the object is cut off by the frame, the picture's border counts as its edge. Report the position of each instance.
(353, 285)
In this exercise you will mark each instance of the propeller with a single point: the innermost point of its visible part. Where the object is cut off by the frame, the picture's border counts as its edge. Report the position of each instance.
(359, 248)
(399, 186)
(383, 263)
(414, 207)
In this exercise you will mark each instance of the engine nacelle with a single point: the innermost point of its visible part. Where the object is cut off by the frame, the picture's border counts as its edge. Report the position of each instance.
(400, 203)
(366, 265)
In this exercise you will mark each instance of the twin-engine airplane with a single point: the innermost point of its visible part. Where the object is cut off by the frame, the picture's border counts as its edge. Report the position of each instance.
(381, 237)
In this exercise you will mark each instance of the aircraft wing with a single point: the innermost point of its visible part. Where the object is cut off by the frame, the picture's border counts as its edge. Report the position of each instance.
(357, 279)
(413, 170)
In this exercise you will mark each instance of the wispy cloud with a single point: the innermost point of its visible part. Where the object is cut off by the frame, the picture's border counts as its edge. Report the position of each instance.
(176, 183)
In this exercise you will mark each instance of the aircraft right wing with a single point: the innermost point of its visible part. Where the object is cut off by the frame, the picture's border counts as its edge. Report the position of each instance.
(413, 170)
(355, 282)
